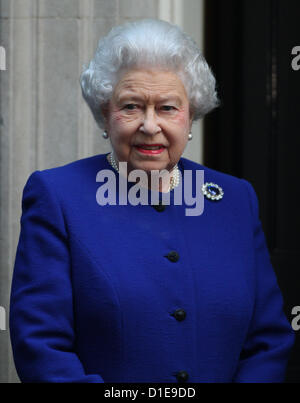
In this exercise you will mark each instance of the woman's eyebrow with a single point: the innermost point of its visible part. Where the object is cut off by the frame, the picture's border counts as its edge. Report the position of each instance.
(134, 97)
(130, 96)
(170, 98)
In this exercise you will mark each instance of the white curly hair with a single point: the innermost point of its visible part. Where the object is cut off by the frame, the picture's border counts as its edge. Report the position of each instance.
(148, 43)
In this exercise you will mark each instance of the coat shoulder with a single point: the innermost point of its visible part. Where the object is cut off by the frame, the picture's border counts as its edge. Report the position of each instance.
(79, 171)
(84, 165)
(239, 194)
(211, 175)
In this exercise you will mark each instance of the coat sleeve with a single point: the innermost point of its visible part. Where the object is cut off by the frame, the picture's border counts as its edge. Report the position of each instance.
(41, 304)
(270, 337)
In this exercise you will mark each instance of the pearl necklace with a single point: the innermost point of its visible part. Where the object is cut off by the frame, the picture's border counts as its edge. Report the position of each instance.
(174, 181)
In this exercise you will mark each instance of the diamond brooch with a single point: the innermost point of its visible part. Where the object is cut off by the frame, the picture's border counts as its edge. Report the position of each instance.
(212, 191)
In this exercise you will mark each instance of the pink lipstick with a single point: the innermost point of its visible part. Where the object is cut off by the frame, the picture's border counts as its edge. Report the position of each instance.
(150, 149)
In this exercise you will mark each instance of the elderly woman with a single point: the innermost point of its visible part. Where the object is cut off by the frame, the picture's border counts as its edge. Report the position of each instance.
(141, 292)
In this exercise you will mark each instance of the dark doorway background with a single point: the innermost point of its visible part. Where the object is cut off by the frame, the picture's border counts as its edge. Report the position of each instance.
(255, 132)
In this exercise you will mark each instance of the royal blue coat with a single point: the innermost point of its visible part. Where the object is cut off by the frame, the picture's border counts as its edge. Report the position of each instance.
(134, 294)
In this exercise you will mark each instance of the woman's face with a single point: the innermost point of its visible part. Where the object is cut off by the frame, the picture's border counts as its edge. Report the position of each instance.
(148, 119)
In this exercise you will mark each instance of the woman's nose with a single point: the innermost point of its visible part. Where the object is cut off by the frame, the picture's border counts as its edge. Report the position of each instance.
(150, 123)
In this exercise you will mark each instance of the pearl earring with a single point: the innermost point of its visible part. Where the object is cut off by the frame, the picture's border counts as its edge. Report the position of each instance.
(105, 135)
(190, 136)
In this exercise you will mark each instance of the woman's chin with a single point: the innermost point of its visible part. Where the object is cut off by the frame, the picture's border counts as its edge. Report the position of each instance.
(148, 166)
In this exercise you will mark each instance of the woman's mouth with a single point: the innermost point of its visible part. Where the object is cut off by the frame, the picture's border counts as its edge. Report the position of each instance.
(152, 149)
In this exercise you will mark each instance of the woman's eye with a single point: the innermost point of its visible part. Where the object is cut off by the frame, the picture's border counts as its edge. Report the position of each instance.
(167, 108)
(130, 107)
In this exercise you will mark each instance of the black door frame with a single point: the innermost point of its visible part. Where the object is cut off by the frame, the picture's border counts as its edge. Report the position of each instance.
(248, 44)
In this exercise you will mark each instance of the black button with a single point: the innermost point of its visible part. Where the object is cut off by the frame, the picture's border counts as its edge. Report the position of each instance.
(160, 207)
(179, 314)
(173, 256)
(182, 376)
